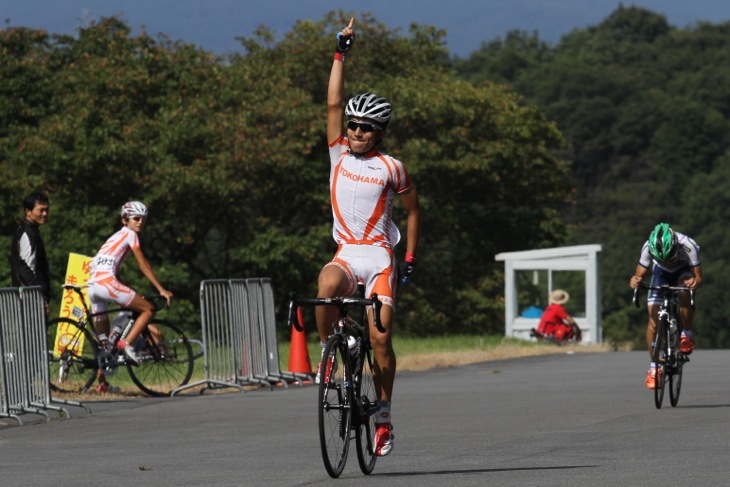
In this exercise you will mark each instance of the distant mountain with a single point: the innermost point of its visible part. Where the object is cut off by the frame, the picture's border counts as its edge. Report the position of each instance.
(214, 24)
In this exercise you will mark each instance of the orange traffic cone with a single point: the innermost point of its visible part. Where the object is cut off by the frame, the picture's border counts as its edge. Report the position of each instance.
(298, 353)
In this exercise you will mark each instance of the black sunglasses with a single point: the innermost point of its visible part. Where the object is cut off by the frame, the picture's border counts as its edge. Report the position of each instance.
(364, 126)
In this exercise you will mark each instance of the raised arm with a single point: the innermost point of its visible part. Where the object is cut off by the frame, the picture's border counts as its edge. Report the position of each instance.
(336, 86)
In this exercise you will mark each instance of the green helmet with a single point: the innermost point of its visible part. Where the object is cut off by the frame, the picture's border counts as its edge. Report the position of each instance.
(662, 242)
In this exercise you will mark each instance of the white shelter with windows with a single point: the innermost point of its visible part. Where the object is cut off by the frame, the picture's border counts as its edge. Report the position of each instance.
(530, 276)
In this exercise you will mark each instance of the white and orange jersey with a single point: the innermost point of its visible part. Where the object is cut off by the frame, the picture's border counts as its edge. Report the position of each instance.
(362, 190)
(111, 255)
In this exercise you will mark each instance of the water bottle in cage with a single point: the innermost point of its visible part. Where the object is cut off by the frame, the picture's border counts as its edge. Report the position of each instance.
(354, 345)
(118, 324)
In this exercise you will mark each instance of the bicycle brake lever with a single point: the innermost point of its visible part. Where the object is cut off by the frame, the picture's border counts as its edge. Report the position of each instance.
(377, 304)
(293, 318)
(635, 299)
(158, 301)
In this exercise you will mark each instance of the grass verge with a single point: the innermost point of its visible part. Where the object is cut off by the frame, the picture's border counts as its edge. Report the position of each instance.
(418, 354)
(414, 354)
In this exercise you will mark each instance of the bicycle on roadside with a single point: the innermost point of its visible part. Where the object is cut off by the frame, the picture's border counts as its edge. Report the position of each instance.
(665, 353)
(347, 399)
(575, 336)
(75, 355)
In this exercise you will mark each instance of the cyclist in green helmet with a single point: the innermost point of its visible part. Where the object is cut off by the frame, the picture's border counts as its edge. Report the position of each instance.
(673, 258)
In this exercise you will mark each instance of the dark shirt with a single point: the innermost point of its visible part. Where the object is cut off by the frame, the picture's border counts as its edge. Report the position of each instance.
(28, 262)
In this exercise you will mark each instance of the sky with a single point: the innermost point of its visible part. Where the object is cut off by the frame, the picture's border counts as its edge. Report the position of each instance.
(214, 24)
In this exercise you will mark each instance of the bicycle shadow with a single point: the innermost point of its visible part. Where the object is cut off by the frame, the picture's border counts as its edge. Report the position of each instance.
(702, 406)
(483, 470)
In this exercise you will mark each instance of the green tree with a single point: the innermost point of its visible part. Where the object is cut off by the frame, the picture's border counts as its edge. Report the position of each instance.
(644, 108)
(230, 155)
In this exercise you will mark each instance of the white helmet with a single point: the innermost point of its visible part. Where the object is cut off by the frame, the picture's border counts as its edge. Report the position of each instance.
(371, 106)
(134, 208)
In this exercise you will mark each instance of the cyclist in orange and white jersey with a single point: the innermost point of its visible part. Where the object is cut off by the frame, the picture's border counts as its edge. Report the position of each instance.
(104, 286)
(364, 184)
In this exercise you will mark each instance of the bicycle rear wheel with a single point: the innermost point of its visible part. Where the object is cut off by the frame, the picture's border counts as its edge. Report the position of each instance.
(334, 405)
(660, 357)
(367, 406)
(166, 359)
(72, 352)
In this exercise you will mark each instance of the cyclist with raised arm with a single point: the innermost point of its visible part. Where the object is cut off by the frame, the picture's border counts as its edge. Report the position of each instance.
(364, 183)
(674, 259)
(104, 286)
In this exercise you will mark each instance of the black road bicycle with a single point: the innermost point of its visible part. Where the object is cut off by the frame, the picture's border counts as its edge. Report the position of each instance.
(75, 356)
(665, 351)
(347, 399)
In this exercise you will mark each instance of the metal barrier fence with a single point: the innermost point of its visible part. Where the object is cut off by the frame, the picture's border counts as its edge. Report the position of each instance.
(240, 345)
(24, 382)
(239, 335)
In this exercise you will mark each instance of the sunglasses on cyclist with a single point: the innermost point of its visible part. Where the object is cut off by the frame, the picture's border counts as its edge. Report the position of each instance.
(364, 126)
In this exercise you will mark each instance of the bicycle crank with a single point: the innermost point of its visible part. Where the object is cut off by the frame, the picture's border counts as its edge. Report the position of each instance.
(107, 363)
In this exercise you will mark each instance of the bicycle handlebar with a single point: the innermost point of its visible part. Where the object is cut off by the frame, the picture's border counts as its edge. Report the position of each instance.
(665, 288)
(158, 302)
(340, 303)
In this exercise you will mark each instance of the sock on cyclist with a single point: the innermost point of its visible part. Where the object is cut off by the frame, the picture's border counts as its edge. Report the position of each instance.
(383, 415)
(687, 333)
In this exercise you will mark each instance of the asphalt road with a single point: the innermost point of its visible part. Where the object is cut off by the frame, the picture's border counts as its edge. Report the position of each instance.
(558, 420)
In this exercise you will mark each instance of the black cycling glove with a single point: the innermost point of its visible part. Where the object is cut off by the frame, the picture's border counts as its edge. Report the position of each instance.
(405, 271)
(344, 43)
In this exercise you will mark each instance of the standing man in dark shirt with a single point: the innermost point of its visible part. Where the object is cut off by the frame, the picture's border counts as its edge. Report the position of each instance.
(28, 263)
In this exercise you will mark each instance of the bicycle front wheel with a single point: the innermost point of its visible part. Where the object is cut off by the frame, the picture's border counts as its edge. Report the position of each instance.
(166, 359)
(334, 405)
(366, 407)
(660, 357)
(72, 352)
(675, 383)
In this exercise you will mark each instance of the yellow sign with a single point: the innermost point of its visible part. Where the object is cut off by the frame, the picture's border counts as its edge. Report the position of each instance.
(77, 273)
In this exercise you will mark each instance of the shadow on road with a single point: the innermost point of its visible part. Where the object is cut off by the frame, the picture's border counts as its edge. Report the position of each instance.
(483, 470)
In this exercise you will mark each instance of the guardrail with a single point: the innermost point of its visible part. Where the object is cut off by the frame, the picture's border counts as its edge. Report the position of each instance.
(239, 336)
(24, 382)
(240, 345)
